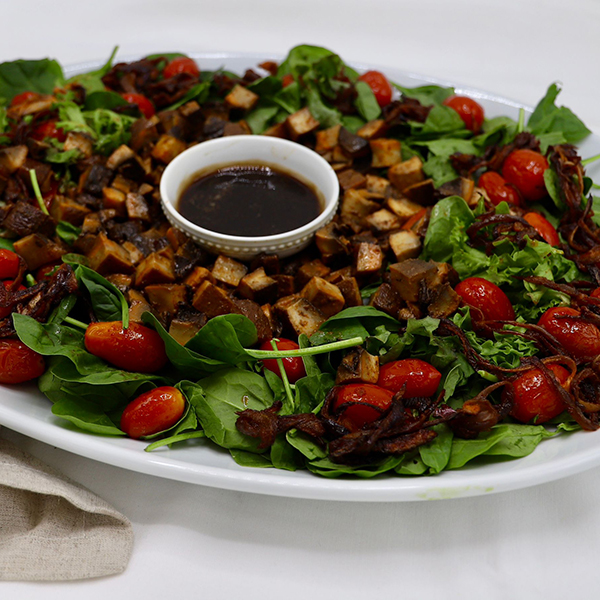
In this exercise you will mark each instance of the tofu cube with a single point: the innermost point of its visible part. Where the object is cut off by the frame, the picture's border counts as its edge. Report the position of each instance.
(241, 98)
(406, 173)
(300, 123)
(324, 296)
(228, 271)
(386, 153)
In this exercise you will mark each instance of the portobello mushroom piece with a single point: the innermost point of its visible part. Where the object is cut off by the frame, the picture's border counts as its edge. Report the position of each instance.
(408, 276)
(386, 299)
(186, 324)
(108, 257)
(166, 298)
(13, 158)
(324, 296)
(94, 179)
(314, 268)
(461, 186)
(213, 127)
(350, 290)
(253, 311)
(144, 132)
(37, 250)
(37, 104)
(121, 281)
(274, 322)
(43, 173)
(228, 271)
(386, 153)
(350, 179)
(445, 302)
(353, 145)
(155, 268)
(79, 141)
(137, 207)
(278, 130)
(136, 168)
(269, 262)
(406, 173)
(239, 128)
(421, 193)
(212, 300)
(298, 315)
(258, 286)
(172, 123)
(286, 285)
(24, 219)
(358, 366)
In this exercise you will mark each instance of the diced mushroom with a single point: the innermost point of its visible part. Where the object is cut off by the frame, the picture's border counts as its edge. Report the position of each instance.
(239, 128)
(166, 298)
(135, 255)
(254, 312)
(258, 286)
(422, 193)
(406, 173)
(377, 185)
(386, 299)
(122, 154)
(167, 148)
(299, 315)
(445, 303)
(403, 207)
(350, 179)
(144, 132)
(13, 157)
(369, 259)
(198, 276)
(242, 98)
(37, 250)
(183, 329)
(24, 219)
(350, 290)
(408, 276)
(386, 153)
(336, 276)
(301, 123)
(405, 244)
(212, 300)
(138, 305)
(269, 262)
(106, 256)
(120, 281)
(123, 184)
(94, 179)
(286, 285)
(228, 271)
(382, 221)
(314, 268)
(40, 103)
(327, 139)
(274, 322)
(137, 207)
(339, 157)
(80, 141)
(358, 366)
(373, 129)
(324, 296)
(461, 186)
(155, 268)
(353, 145)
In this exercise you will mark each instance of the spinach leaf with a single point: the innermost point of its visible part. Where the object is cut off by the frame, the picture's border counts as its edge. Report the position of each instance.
(327, 468)
(92, 81)
(199, 93)
(86, 415)
(436, 454)
(426, 94)
(365, 102)
(67, 232)
(108, 303)
(19, 76)
(219, 397)
(104, 99)
(250, 459)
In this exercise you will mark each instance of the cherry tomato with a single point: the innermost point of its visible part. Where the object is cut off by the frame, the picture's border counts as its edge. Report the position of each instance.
(287, 80)
(145, 106)
(137, 348)
(23, 97)
(596, 293)
(48, 129)
(152, 412)
(419, 377)
(468, 110)
(366, 399)
(488, 300)
(9, 264)
(293, 365)
(543, 227)
(379, 85)
(46, 271)
(18, 363)
(412, 221)
(6, 310)
(535, 397)
(182, 64)
(498, 190)
(580, 338)
(525, 170)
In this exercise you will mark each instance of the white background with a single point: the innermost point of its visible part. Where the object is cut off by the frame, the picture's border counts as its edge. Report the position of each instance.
(206, 543)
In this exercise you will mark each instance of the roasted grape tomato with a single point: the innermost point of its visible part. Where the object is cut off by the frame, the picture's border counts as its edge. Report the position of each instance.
(365, 403)
(543, 227)
(525, 170)
(417, 377)
(145, 106)
(468, 110)
(18, 363)
(9, 264)
(293, 365)
(488, 300)
(498, 190)
(48, 129)
(181, 64)
(379, 85)
(23, 97)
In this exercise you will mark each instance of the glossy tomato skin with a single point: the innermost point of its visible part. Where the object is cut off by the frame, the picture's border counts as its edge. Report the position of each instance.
(23, 97)
(365, 399)
(543, 227)
(420, 378)
(9, 264)
(48, 129)
(379, 85)
(293, 365)
(535, 397)
(152, 412)
(136, 348)
(145, 106)
(498, 190)
(580, 339)
(596, 293)
(488, 300)
(18, 363)
(525, 170)
(181, 64)
(287, 80)
(470, 111)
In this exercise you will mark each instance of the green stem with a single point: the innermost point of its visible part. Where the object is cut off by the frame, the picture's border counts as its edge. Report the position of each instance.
(37, 191)
(521, 122)
(284, 377)
(75, 322)
(590, 160)
(313, 350)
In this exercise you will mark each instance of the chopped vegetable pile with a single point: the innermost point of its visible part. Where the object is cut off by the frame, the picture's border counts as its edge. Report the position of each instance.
(450, 312)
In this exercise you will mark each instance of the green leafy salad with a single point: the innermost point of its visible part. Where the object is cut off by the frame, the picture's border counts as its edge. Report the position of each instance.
(449, 314)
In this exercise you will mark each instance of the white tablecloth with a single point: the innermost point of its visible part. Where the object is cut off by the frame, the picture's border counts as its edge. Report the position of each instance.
(540, 542)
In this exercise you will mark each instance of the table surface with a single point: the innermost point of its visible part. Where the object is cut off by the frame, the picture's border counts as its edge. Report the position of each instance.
(534, 543)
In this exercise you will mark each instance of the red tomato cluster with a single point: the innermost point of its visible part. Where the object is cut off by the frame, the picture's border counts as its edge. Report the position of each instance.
(486, 300)
(498, 190)
(525, 170)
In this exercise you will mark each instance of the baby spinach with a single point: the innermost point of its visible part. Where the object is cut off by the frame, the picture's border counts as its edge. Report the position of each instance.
(426, 94)
(365, 102)
(92, 81)
(67, 232)
(19, 76)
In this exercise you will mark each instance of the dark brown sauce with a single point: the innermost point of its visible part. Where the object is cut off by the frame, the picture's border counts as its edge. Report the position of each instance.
(249, 200)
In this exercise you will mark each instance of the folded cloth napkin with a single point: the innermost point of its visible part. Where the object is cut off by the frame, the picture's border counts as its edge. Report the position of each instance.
(53, 529)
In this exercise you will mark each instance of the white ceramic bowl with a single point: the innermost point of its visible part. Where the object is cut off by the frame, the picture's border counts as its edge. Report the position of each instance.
(293, 158)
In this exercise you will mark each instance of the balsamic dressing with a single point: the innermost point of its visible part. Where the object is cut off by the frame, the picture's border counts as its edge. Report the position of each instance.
(249, 200)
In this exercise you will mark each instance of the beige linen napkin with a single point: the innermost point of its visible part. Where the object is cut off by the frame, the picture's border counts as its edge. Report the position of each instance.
(52, 528)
